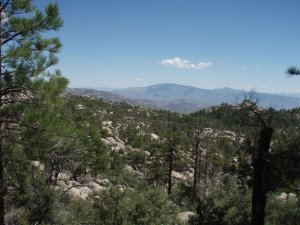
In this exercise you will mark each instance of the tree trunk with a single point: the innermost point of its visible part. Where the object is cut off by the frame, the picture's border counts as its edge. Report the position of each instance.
(196, 168)
(2, 184)
(205, 168)
(171, 150)
(260, 176)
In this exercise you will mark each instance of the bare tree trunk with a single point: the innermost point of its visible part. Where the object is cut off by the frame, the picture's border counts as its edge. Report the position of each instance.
(260, 176)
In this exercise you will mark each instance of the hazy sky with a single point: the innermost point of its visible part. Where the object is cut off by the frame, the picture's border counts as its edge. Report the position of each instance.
(205, 43)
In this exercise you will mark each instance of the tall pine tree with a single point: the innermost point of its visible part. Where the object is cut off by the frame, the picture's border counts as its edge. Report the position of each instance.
(25, 55)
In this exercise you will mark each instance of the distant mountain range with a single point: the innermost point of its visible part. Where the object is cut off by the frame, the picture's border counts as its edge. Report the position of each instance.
(187, 99)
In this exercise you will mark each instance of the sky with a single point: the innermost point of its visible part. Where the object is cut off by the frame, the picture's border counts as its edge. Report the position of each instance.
(241, 44)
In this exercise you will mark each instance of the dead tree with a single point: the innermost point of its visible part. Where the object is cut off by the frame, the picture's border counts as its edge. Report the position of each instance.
(254, 116)
(260, 176)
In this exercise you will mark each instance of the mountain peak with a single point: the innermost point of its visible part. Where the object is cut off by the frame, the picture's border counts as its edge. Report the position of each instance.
(184, 99)
(226, 89)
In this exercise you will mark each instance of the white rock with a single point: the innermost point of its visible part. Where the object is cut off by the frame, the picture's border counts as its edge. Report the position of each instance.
(184, 217)
(73, 183)
(106, 123)
(103, 182)
(128, 168)
(129, 148)
(85, 179)
(112, 140)
(79, 107)
(86, 190)
(147, 154)
(106, 142)
(61, 184)
(282, 196)
(64, 176)
(97, 197)
(119, 140)
(177, 175)
(292, 197)
(95, 186)
(57, 188)
(75, 193)
(188, 174)
(208, 131)
(154, 137)
(120, 146)
(39, 165)
(121, 188)
(108, 130)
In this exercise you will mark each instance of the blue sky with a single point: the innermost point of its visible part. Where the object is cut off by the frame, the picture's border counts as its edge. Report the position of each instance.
(241, 44)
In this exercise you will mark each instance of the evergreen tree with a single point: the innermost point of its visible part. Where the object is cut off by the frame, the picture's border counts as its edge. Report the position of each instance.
(25, 55)
(293, 71)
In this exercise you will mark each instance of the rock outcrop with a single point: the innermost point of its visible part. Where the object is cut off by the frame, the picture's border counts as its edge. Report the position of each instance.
(184, 218)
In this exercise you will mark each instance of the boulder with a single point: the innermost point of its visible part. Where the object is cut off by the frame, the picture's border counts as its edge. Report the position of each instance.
(97, 198)
(147, 154)
(94, 186)
(62, 184)
(85, 191)
(185, 217)
(103, 182)
(112, 140)
(73, 183)
(64, 176)
(109, 131)
(106, 142)
(39, 165)
(79, 107)
(178, 176)
(120, 146)
(287, 197)
(128, 168)
(283, 196)
(119, 140)
(86, 178)
(106, 123)
(75, 193)
(188, 174)
(137, 173)
(57, 188)
(154, 137)
(292, 197)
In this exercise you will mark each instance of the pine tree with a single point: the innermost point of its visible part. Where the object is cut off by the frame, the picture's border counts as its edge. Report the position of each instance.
(25, 55)
(293, 71)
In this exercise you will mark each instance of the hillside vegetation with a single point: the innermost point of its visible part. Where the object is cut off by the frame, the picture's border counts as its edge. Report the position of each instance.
(69, 159)
(98, 162)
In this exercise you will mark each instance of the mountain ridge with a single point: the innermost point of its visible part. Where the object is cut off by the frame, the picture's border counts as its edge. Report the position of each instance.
(199, 98)
(186, 99)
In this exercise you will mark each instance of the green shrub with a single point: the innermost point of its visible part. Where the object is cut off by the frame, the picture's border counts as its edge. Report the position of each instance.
(280, 212)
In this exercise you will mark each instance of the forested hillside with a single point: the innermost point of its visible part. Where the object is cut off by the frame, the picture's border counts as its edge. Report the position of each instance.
(100, 162)
(74, 159)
